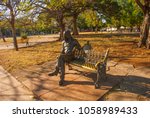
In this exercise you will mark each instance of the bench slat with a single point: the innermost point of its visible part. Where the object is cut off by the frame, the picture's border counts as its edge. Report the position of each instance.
(91, 61)
(94, 62)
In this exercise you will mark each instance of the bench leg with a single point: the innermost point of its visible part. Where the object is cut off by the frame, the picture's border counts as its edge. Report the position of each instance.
(97, 83)
(101, 75)
(104, 77)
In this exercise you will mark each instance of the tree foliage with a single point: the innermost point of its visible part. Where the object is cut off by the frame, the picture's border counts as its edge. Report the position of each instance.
(57, 15)
(10, 10)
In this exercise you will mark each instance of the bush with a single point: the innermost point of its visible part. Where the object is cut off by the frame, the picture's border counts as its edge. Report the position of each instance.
(24, 36)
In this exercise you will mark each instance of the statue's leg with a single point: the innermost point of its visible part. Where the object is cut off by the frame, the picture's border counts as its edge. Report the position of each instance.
(57, 67)
(61, 65)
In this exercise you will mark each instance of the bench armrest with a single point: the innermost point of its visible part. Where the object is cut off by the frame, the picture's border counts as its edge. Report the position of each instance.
(103, 61)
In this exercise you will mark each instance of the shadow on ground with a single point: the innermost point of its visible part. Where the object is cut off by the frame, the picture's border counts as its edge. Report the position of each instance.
(78, 83)
(11, 89)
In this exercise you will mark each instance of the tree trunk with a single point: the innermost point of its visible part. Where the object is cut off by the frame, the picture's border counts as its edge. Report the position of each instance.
(60, 20)
(14, 38)
(138, 28)
(148, 43)
(131, 29)
(145, 31)
(96, 29)
(145, 41)
(12, 22)
(75, 29)
(2, 36)
(62, 29)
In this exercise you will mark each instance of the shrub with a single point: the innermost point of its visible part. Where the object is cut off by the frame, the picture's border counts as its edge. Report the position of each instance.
(24, 36)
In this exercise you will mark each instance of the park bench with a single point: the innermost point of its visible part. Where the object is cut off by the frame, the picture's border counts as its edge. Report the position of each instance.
(93, 61)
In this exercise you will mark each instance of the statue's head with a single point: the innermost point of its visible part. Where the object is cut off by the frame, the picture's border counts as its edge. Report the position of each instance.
(67, 35)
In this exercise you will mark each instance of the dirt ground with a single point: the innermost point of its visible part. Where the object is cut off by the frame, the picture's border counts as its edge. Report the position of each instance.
(123, 48)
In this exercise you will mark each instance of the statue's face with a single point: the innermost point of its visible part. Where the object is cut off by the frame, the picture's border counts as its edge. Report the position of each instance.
(67, 35)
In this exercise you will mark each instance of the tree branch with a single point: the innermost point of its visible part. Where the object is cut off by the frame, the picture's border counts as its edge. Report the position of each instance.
(45, 8)
(140, 4)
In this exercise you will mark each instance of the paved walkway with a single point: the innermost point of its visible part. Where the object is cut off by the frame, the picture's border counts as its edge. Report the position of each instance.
(12, 89)
(79, 83)
(35, 83)
(39, 40)
(136, 84)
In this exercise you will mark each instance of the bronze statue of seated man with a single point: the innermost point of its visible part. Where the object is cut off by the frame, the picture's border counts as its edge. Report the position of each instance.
(66, 55)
